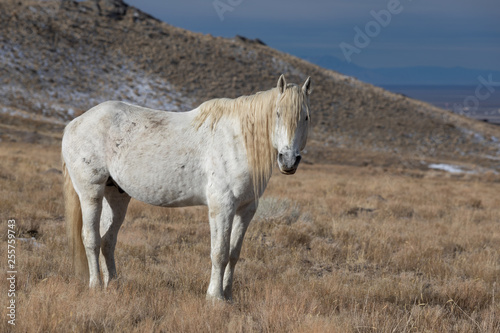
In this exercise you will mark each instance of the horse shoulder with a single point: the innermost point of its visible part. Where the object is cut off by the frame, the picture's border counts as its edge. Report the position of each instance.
(228, 161)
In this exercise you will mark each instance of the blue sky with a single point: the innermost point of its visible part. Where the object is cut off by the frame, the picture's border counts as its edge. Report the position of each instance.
(443, 33)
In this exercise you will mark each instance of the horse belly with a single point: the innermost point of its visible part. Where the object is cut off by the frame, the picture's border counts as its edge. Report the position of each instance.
(158, 159)
(162, 177)
(172, 189)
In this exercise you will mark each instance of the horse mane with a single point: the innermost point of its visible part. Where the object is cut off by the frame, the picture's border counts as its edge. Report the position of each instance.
(255, 116)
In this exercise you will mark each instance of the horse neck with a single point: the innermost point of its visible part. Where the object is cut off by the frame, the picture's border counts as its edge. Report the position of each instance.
(257, 126)
(255, 114)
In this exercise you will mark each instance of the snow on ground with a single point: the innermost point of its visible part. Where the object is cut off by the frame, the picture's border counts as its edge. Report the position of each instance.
(81, 81)
(455, 169)
(448, 168)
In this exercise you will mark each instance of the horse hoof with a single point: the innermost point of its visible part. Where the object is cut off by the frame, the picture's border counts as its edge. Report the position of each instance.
(215, 299)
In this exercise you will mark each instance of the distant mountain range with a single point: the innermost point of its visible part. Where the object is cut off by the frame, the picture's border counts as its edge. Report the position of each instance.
(418, 75)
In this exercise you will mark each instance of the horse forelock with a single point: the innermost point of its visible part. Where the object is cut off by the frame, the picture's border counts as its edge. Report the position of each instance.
(255, 114)
(291, 102)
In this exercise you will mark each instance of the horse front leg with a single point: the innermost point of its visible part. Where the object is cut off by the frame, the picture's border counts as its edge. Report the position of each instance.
(221, 217)
(240, 224)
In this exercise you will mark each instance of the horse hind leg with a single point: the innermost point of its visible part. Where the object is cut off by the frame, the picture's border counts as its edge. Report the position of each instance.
(114, 208)
(91, 203)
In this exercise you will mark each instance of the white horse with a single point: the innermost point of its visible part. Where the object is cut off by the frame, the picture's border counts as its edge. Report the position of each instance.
(220, 154)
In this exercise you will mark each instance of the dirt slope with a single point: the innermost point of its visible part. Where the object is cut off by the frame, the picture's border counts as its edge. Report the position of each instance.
(59, 58)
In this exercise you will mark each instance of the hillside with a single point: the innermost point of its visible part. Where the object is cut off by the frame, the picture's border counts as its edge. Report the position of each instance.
(59, 58)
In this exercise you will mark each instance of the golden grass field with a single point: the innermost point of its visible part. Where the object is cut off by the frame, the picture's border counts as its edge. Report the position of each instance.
(332, 249)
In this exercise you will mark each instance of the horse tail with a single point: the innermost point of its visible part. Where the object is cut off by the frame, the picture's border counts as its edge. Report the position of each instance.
(73, 212)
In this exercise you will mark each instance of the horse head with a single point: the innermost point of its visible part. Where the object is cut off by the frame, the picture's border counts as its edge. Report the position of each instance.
(291, 123)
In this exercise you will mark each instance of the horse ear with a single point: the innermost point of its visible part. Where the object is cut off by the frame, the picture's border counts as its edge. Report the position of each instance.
(281, 84)
(306, 88)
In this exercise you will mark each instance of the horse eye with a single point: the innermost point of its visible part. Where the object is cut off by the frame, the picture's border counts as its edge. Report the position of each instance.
(278, 113)
(307, 118)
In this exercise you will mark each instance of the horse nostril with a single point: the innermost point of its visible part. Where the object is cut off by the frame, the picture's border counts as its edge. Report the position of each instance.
(280, 157)
(297, 160)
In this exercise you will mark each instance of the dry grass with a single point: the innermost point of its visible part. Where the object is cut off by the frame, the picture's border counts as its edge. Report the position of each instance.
(333, 248)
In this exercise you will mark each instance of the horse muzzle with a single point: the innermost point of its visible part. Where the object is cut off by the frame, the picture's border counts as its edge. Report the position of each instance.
(288, 162)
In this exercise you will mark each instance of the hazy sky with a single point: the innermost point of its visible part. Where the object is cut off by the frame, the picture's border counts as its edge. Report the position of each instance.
(446, 33)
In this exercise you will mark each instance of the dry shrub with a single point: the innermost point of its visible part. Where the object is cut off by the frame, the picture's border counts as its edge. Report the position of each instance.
(399, 210)
(277, 210)
(291, 237)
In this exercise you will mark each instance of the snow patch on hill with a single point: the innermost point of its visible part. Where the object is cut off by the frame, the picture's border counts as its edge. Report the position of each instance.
(49, 92)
